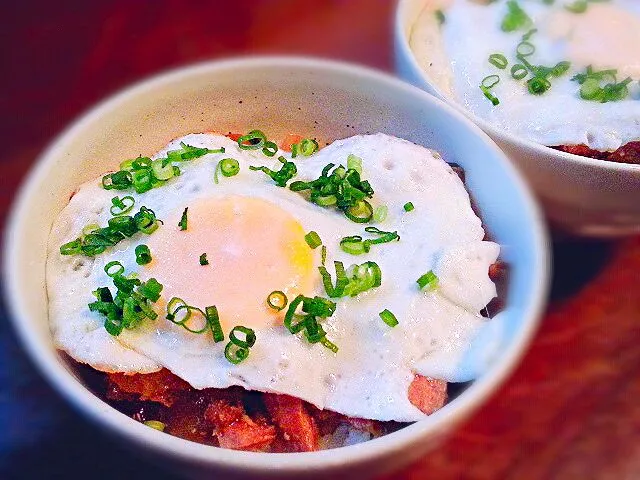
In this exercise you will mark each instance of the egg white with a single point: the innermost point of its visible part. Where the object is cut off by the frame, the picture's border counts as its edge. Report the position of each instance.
(370, 374)
(455, 55)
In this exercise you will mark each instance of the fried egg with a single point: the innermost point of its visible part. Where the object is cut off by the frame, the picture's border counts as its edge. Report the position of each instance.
(606, 35)
(253, 233)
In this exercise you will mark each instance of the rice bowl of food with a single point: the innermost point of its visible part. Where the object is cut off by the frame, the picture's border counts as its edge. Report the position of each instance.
(555, 84)
(276, 304)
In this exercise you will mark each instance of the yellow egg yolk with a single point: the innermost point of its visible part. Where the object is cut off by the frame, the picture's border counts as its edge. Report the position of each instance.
(253, 248)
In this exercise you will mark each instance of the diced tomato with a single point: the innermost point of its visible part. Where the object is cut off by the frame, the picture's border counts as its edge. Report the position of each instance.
(427, 394)
(289, 140)
(291, 416)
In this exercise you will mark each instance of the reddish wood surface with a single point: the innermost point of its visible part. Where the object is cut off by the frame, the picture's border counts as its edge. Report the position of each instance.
(570, 411)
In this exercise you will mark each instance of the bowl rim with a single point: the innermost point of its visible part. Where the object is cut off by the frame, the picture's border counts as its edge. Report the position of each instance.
(251, 462)
(402, 45)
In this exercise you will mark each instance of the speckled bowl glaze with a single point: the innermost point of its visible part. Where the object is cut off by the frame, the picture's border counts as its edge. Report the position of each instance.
(580, 195)
(279, 95)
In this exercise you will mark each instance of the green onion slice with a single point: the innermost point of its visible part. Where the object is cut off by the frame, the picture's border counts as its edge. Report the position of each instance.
(353, 281)
(213, 320)
(270, 149)
(143, 254)
(237, 349)
(277, 300)
(313, 239)
(229, 167)
(307, 320)
(519, 71)
(183, 219)
(408, 207)
(380, 213)
(538, 85)
(73, 247)
(184, 319)
(388, 318)
(429, 281)
(254, 140)
(114, 268)
(203, 259)
(498, 60)
(354, 163)
(121, 206)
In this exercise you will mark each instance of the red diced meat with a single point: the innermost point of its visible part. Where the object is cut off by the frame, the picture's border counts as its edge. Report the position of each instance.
(427, 394)
(294, 420)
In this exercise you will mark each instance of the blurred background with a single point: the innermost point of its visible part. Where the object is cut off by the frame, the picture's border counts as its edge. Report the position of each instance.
(570, 410)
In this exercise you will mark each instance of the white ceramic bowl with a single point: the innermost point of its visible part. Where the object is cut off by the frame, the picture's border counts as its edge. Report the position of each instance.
(279, 95)
(580, 195)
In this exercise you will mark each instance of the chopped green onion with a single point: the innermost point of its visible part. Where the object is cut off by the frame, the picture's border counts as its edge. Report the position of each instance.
(490, 81)
(343, 188)
(270, 149)
(560, 68)
(538, 85)
(109, 268)
(498, 60)
(161, 170)
(92, 227)
(323, 254)
(143, 255)
(354, 163)
(429, 280)
(525, 49)
(408, 207)
(143, 174)
(388, 318)
(183, 219)
(282, 176)
(516, 18)
(120, 180)
(146, 220)
(351, 282)
(440, 18)
(361, 212)
(519, 71)
(155, 424)
(175, 315)
(213, 320)
(73, 247)
(254, 140)
(131, 303)
(356, 245)
(237, 350)
(487, 83)
(96, 240)
(313, 239)
(120, 206)
(579, 6)
(229, 167)
(380, 213)
(591, 87)
(307, 322)
(277, 300)
(306, 147)
(203, 259)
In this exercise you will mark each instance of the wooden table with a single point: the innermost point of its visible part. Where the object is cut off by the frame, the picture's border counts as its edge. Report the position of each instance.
(570, 410)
